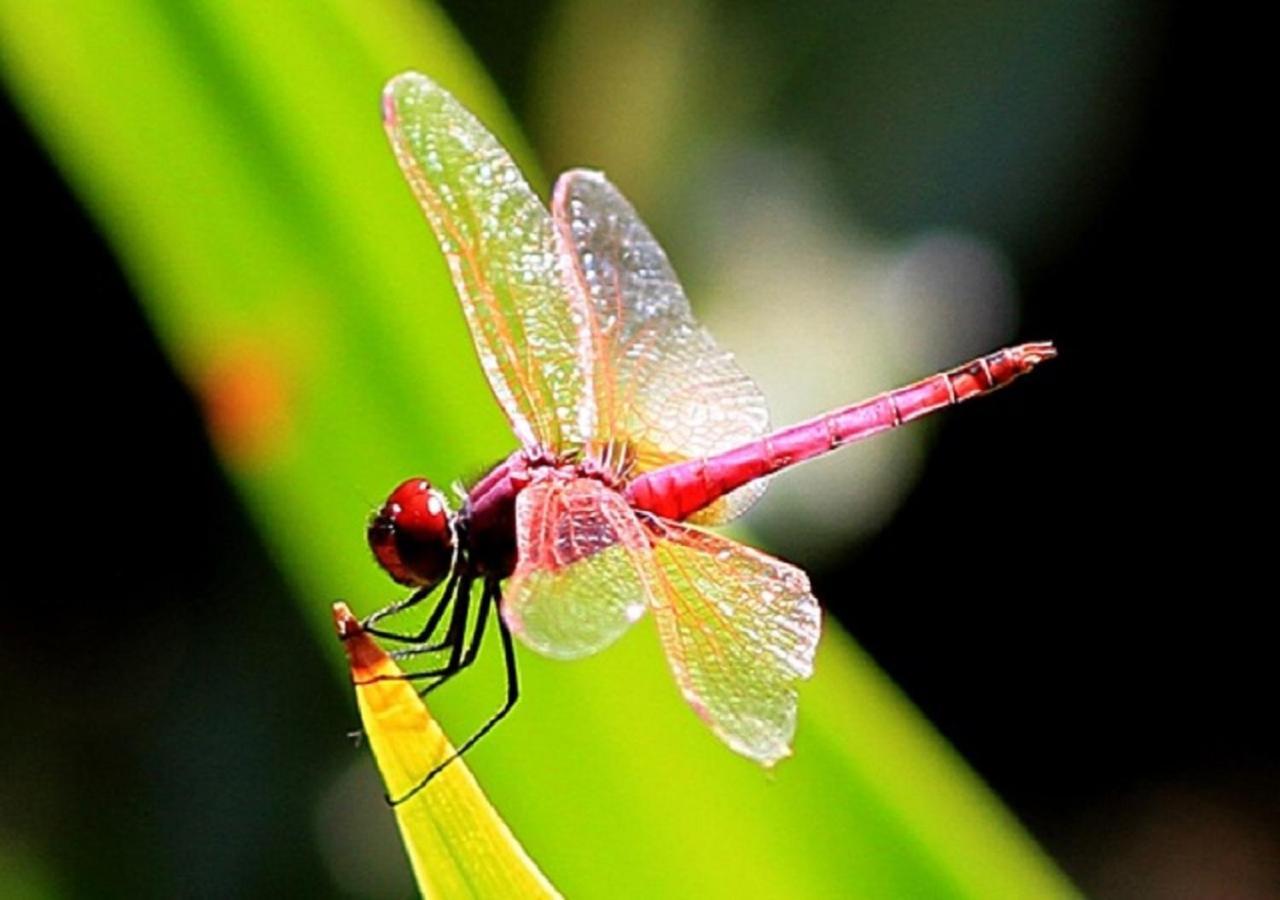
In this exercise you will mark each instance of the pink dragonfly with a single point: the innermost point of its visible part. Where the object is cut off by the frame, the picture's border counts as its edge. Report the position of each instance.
(636, 431)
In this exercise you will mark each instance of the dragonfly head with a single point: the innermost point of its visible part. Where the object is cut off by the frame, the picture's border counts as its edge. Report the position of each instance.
(412, 534)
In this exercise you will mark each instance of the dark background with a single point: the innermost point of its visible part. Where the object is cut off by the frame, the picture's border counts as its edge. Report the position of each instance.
(1117, 689)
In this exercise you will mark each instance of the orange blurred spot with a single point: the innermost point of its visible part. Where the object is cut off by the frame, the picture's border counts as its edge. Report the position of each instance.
(247, 404)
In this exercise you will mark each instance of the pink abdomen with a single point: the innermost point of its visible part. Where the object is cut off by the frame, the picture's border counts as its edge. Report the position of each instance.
(679, 490)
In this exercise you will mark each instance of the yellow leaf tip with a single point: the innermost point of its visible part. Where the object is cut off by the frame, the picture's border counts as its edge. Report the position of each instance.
(366, 658)
(344, 621)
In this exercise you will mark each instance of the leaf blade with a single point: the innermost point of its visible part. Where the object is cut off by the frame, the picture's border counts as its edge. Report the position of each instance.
(458, 844)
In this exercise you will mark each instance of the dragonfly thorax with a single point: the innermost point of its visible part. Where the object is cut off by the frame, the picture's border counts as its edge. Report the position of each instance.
(412, 534)
(485, 527)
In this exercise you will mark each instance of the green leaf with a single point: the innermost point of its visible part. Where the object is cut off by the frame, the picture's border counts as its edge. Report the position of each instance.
(233, 154)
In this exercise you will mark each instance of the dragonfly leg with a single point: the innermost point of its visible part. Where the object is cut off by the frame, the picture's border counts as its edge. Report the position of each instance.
(460, 601)
(492, 594)
(452, 640)
(473, 648)
(452, 637)
(392, 608)
(458, 589)
(416, 597)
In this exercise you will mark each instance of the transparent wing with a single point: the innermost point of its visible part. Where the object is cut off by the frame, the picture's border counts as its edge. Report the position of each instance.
(661, 384)
(740, 629)
(585, 568)
(524, 310)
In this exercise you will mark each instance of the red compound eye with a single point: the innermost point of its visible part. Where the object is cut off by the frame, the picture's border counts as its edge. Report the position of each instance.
(410, 536)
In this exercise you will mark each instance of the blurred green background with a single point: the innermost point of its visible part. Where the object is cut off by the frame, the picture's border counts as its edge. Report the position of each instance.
(232, 334)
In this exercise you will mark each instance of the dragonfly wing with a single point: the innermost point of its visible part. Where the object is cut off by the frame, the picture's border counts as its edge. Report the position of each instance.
(661, 383)
(525, 311)
(585, 569)
(740, 629)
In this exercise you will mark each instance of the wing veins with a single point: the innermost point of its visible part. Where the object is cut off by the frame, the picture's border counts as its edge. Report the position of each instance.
(495, 319)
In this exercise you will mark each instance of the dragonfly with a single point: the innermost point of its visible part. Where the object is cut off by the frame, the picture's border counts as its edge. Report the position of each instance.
(636, 432)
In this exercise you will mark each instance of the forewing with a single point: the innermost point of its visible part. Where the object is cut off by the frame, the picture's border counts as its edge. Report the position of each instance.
(585, 569)
(740, 629)
(524, 309)
(661, 384)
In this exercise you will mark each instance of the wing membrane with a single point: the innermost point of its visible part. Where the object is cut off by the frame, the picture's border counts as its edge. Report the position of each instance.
(661, 384)
(740, 629)
(523, 309)
(585, 568)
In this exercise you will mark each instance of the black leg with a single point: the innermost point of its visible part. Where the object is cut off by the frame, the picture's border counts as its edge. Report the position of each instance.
(458, 624)
(432, 622)
(392, 608)
(491, 595)
(473, 649)
(453, 640)
(453, 637)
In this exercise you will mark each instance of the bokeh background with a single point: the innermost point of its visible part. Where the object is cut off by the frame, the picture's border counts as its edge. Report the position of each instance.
(856, 195)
